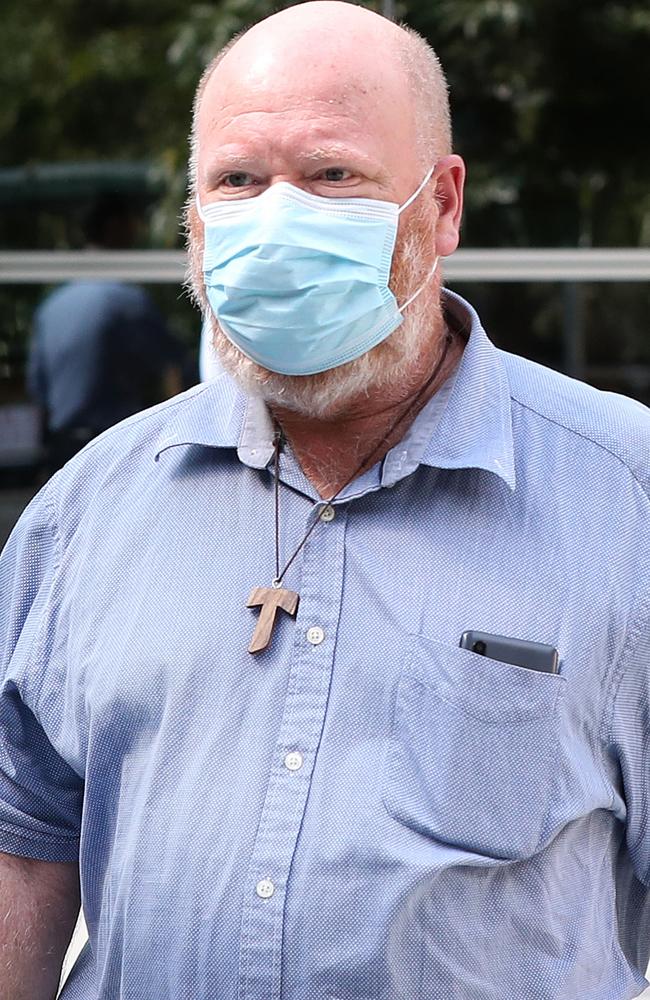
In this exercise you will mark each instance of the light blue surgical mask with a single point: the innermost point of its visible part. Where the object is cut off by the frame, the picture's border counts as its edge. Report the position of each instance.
(299, 283)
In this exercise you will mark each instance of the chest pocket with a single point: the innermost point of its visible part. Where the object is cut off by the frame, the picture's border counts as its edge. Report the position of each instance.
(472, 750)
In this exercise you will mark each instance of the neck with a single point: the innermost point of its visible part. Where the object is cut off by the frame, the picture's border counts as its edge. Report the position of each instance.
(333, 450)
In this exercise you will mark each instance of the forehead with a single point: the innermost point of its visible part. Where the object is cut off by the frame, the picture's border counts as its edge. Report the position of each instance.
(297, 93)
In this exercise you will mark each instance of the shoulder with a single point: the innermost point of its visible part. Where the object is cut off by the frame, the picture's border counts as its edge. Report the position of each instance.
(605, 426)
(128, 451)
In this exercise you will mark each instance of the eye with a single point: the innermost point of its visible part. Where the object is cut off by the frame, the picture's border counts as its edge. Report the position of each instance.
(335, 174)
(237, 179)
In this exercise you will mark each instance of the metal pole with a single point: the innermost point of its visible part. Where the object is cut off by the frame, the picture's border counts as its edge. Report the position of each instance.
(575, 345)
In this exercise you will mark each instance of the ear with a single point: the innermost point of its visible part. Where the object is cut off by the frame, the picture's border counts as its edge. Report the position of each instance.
(450, 181)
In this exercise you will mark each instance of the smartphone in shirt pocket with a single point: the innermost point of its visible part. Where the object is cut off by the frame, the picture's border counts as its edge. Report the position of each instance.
(473, 747)
(518, 652)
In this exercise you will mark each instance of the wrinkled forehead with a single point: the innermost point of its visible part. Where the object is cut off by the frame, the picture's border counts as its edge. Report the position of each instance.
(357, 82)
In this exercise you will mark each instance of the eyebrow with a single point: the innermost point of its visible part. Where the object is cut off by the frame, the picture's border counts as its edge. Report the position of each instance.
(334, 153)
(228, 161)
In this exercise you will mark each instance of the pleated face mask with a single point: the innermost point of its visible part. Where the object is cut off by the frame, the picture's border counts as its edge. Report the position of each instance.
(298, 282)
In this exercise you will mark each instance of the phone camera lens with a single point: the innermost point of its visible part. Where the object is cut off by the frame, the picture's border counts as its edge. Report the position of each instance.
(479, 647)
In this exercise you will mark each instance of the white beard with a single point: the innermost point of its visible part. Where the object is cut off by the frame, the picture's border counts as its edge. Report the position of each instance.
(329, 393)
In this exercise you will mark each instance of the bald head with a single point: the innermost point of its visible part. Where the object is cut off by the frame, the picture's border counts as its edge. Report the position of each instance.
(337, 102)
(354, 52)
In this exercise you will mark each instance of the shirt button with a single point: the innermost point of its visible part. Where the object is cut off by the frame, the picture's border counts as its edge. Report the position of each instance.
(265, 888)
(315, 635)
(293, 761)
(328, 513)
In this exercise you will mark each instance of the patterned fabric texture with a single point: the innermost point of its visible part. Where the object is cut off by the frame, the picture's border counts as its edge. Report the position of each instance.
(364, 811)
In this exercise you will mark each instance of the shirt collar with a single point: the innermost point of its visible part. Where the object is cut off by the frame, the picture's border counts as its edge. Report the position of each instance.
(475, 427)
(211, 414)
(467, 424)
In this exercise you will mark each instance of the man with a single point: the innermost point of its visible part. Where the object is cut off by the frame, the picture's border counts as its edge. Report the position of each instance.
(309, 790)
(100, 350)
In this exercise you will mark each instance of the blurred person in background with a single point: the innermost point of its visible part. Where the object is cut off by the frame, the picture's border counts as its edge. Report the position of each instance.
(100, 350)
(239, 714)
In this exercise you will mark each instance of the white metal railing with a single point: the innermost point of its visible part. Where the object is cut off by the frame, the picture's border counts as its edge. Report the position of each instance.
(49, 266)
(168, 266)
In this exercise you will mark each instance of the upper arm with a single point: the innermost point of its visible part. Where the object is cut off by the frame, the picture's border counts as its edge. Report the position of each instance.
(40, 793)
(24, 881)
(39, 902)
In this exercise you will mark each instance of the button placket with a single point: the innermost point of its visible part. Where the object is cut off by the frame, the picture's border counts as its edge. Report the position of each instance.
(289, 782)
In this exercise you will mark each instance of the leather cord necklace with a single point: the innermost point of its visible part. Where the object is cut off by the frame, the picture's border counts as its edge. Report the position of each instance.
(270, 599)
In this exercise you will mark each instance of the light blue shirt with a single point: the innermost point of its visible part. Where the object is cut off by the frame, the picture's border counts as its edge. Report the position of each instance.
(364, 811)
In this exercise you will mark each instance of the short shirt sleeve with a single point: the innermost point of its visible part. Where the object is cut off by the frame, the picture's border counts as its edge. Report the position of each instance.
(40, 794)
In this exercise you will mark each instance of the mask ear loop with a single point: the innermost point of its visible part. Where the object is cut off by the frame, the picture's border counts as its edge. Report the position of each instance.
(198, 208)
(421, 288)
(409, 201)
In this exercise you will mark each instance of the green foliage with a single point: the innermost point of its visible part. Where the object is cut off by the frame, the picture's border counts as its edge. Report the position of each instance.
(549, 97)
(550, 104)
(551, 112)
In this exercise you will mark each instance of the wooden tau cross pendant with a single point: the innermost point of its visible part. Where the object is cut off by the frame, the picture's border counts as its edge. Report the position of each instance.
(270, 599)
